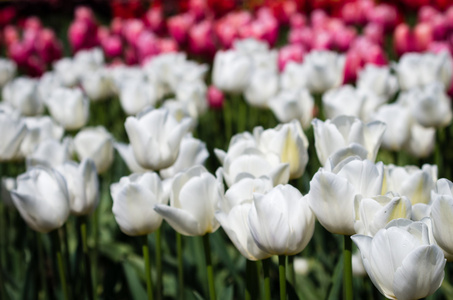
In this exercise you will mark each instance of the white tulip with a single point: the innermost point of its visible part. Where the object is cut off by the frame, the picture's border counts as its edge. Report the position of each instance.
(343, 131)
(157, 130)
(7, 70)
(193, 95)
(69, 107)
(442, 216)
(233, 215)
(281, 221)
(127, 154)
(377, 79)
(401, 261)
(295, 104)
(324, 70)
(343, 100)
(293, 77)
(134, 198)
(50, 153)
(194, 198)
(95, 143)
(14, 131)
(421, 140)
(332, 192)
(22, 94)
(231, 71)
(38, 130)
(135, 95)
(42, 198)
(83, 185)
(97, 85)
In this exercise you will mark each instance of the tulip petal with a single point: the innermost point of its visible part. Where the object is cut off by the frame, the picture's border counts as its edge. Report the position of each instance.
(180, 220)
(421, 273)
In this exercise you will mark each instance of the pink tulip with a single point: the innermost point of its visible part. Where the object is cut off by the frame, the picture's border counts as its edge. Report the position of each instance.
(374, 32)
(423, 36)
(77, 34)
(226, 33)
(215, 97)
(439, 25)
(198, 9)
(270, 27)
(146, 46)
(10, 35)
(34, 66)
(302, 36)
(47, 46)
(343, 38)
(438, 47)
(102, 33)
(130, 56)
(179, 25)
(19, 52)
(297, 20)
(33, 23)
(201, 38)
(154, 19)
(116, 26)
(449, 17)
(352, 66)
(403, 40)
(323, 39)
(426, 14)
(290, 53)
(319, 18)
(385, 15)
(86, 15)
(132, 29)
(166, 45)
(112, 46)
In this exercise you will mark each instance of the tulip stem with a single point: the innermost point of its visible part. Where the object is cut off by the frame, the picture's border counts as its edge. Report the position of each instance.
(267, 280)
(159, 263)
(282, 275)
(347, 259)
(252, 280)
(180, 266)
(291, 271)
(209, 269)
(61, 267)
(145, 249)
(41, 266)
(82, 232)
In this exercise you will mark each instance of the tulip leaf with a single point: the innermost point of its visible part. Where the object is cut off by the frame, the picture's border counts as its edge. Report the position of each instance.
(337, 281)
(134, 283)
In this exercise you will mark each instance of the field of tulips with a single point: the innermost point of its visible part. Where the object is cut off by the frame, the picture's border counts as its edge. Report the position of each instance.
(209, 149)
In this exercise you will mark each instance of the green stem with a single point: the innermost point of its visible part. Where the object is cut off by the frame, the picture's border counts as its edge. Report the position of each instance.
(347, 259)
(282, 275)
(64, 235)
(41, 265)
(180, 266)
(60, 261)
(3, 249)
(209, 269)
(252, 280)
(267, 280)
(291, 271)
(159, 263)
(145, 249)
(82, 231)
(95, 250)
(2, 283)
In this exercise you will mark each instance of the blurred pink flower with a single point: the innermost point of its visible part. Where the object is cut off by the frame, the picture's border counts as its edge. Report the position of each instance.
(201, 38)
(179, 25)
(290, 53)
(112, 46)
(215, 97)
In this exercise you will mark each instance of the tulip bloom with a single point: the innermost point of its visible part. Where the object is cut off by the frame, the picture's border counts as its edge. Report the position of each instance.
(21, 94)
(442, 216)
(157, 130)
(83, 186)
(233, 215)
(95, 143)
(7, 71)
(401, 261)
(281, 221)
(288, 105)
(343, 131)
(134, 198)
(334, 188)
(42, 198)
(194, 197)
(14, 131)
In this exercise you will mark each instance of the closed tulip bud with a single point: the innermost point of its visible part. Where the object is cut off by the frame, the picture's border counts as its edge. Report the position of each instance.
(69, 107)
(134, 198)
(95, 143)
(7, 71)
(293, 104)
(372, 214)
(421, 141)
(215, 97)
(135, 95)
(324, 70)
(14, 131)
(38, 130)
(21, 93)
(401, 261)
(231, 71)
(263, 86)
(442, 216)
(160, 131)
(233, 214)
(344, 100)
(83, 186)
(50, 153)
(195, 195)
(378, 79)
(333, 190)
(42, 199)
(343, 131)
(97, 85)
(281, 221)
